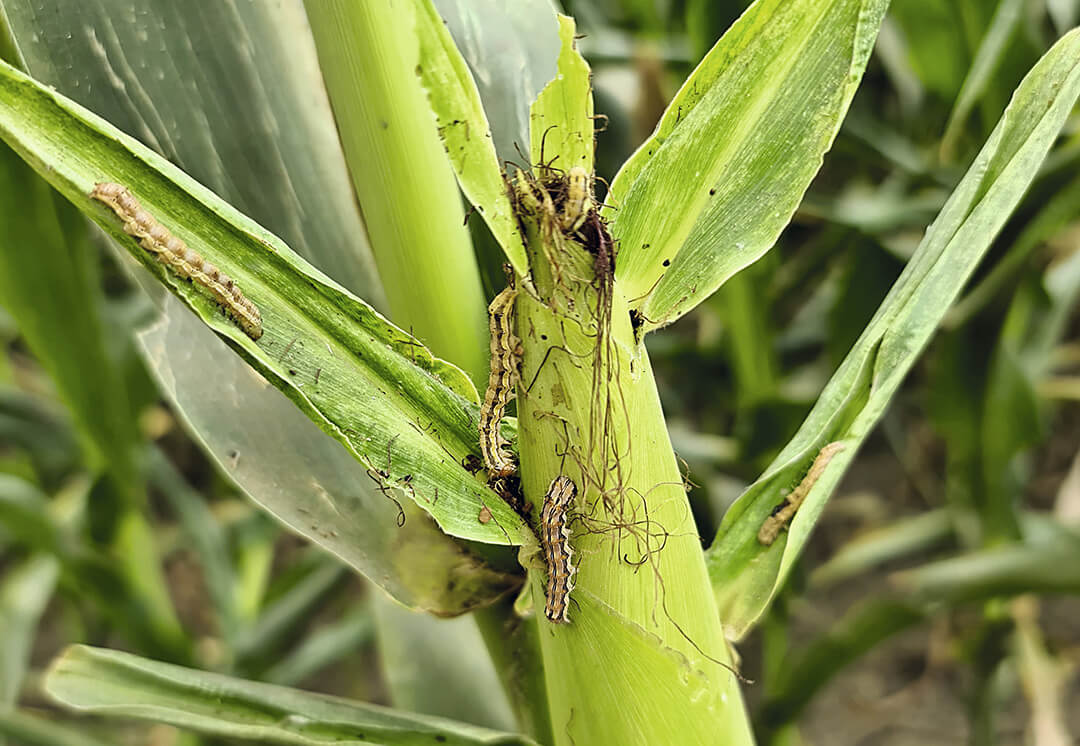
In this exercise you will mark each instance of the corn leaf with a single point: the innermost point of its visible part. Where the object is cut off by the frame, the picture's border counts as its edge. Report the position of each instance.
(407, 416)
(710, 191)
(24, 592)
(560, 121)
(464, 130)
(185, 104)
(746, 574)
(115, 683)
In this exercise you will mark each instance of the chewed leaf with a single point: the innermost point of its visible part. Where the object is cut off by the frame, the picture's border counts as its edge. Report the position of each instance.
(294, 471)
(464, 129)
(561, 125)
(746, 574)
(409, 417)
(511, 49)
(714, 186)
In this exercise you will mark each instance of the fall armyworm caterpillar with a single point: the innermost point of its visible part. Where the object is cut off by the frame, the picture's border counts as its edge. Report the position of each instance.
(555, 541)
(505, 353)
(175, 254)
(783, 513)
(577, 203)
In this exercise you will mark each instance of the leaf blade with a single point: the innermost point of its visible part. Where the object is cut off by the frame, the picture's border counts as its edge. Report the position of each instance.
(560, 120)
(374, 377)
(215, 109)
(753, 122)
(111, 682)
(745, 575)
(24, 593)
(464, 129)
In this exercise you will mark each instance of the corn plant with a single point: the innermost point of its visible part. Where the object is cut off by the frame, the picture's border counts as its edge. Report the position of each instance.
(606, 620)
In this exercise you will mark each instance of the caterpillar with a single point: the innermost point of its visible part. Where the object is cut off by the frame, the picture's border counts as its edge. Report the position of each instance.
(175, 254)
(555, 541)
(578, 200)
(505, 353)
(782, 514)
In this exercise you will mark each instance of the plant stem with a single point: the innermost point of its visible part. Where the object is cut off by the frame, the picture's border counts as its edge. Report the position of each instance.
(407, 191)
(643, 658)
(415, 222)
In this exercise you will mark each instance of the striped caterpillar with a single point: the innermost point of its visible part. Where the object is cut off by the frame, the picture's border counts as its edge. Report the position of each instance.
(783, 513)
(505, 353)
(578, 199)
(555, 541)
(175, 254)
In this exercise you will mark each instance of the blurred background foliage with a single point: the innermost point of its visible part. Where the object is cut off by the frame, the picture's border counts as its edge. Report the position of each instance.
(874, 639)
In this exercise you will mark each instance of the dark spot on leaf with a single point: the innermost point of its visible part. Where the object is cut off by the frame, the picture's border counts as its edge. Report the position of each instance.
(667, 262)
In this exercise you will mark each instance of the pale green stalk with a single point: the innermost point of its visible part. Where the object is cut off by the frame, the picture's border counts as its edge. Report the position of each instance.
(416, 225)
(643, 659)
(415, 221)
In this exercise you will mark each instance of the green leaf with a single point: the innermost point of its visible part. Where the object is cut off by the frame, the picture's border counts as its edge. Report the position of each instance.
(115, 683)
(1052, 216)
(560, 121)
(323, 647)
(24, 592)
(465, 133)
(511, 50)
(258, 438)
(35, 731)
(282, 459)
(361, 379)
(745, 574)
(292, 179)
(992, 48)
(438, 666)
(66, 334)
(255, 128)
(710, 191)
